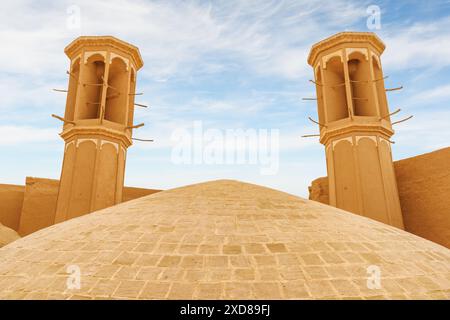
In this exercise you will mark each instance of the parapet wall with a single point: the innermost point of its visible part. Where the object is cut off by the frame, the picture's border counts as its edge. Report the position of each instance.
(11, 199)
(130, 193)
(424, 189)
(39, 204)
(29, 208)
(318, 191)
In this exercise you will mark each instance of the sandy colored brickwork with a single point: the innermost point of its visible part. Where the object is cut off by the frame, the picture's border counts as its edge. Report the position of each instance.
(223, 240)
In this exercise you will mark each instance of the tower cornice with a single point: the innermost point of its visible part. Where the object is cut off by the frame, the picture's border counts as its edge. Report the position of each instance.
(345, 37)
(330, 134)
(75, 131)
(86, 41)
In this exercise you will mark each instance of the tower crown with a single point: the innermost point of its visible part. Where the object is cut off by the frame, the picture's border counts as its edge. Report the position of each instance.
(350, 85)
(102, 86)
(347, 37)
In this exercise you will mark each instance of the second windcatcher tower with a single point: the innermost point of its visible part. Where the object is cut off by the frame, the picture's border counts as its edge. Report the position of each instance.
(355, 125)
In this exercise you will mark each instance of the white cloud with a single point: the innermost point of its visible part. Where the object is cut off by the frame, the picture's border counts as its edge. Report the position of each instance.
(26, 135)
(175, 37)
(431, 95)
(424, 44)
(427, 131)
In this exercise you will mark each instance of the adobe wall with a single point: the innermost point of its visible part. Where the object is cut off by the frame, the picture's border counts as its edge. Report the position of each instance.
(11, 199)
(130, 193)
(318, 191)
(424, 189)
(39, 203)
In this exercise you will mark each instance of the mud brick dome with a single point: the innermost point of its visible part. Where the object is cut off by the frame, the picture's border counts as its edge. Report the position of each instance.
(223, 240)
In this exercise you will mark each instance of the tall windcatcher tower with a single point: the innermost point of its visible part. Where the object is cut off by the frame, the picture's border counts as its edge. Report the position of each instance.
(355, 125)
(98, 124)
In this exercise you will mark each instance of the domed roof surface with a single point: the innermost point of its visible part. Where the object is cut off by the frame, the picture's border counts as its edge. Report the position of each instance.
(223, 240)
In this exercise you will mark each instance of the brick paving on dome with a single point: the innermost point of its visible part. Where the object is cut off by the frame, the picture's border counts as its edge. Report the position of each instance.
(223, 240)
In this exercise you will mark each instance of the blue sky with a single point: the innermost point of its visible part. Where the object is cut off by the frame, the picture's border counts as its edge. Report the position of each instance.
(230, 64)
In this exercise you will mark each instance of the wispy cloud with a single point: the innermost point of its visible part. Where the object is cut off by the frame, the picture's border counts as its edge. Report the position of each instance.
(426, 132)
(420, 45)
(431, 96)
(177, 36)
(25, 135)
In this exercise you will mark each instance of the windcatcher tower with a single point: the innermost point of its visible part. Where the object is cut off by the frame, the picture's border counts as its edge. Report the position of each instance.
(98, 124)
(355, 125)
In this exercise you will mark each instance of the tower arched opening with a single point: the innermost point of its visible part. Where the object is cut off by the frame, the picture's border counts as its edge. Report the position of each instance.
(92, 81)
(74, 79)
(117, 92)
(132, 96)
(334, 87)
(361, 85)
(319, 95)
(379, 84)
